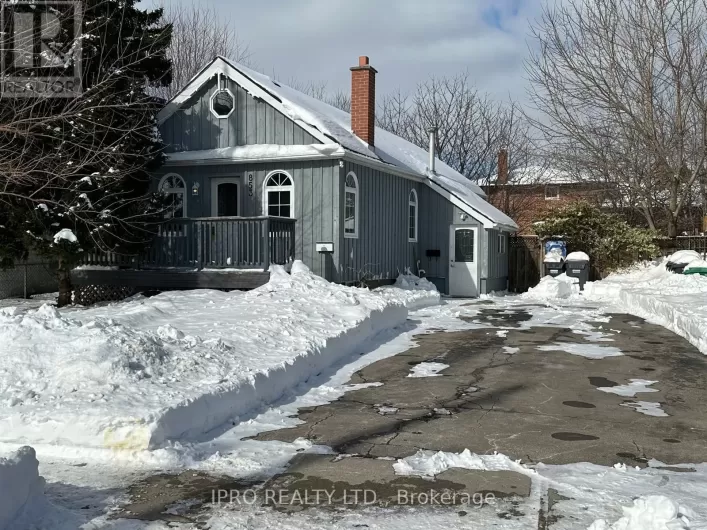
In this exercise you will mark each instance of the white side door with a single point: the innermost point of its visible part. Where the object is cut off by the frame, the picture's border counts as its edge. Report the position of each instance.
(463, 260)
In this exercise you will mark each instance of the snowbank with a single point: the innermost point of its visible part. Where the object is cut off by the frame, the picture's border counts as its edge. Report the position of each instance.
(137, 374)
(20, 485)
(414, 292)
(675, 301)
(561, 286)
(653, 512)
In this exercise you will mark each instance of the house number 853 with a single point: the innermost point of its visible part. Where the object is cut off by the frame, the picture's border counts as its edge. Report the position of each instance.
(250, 184)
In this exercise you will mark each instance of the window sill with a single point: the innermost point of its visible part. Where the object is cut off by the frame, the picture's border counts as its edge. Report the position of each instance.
(350, 236)
(412, 240)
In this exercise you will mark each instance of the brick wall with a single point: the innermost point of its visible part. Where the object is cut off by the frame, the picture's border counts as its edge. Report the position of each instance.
(527, 204)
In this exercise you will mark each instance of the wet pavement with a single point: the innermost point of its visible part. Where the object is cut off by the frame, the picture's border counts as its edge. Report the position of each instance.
(533, 405)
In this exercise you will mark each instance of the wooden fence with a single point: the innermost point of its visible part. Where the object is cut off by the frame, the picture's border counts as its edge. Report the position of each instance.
(526, 254)
(525, 259)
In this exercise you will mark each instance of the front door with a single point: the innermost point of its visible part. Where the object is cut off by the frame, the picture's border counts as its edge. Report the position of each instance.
(222, 245)
(224, 197)
(463, 261)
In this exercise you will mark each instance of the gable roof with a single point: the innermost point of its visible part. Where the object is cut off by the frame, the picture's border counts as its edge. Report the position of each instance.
(329, 124)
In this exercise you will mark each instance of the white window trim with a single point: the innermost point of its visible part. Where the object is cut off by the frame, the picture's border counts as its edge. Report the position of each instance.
(183, 190)
(211, 103)
(554, 197)
(215, 181)
(416, 203)
(357, 211)
(290, 188)
(502, 243)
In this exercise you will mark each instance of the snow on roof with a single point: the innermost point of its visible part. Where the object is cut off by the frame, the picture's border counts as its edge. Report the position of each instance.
(327, 124)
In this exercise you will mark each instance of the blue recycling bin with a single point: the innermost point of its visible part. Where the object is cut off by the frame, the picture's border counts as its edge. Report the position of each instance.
(556, 245)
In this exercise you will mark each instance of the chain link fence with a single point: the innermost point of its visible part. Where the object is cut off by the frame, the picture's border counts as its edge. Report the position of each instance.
(28, 278)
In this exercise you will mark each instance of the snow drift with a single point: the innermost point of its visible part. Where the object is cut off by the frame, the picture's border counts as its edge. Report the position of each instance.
(137, 374)
(561, 286)
(675, 301)
(20, 486)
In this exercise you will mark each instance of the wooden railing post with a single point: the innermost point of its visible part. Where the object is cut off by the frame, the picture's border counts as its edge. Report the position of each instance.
(266, 246)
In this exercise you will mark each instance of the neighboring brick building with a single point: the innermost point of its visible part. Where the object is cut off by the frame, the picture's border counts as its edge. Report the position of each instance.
(527, 194)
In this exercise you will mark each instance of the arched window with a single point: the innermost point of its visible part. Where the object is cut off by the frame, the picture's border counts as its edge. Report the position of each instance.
(351, 206)
(412, 216)
(279, 195)
(173, 188)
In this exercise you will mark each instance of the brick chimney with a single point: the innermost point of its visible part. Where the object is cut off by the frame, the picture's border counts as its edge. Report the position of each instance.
(502, 167)
(363, 101)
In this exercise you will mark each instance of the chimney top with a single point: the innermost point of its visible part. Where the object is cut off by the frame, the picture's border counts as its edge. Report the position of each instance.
(363, 100)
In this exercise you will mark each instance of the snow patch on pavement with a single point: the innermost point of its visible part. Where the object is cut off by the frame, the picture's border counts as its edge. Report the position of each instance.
(427, 369)
(511, 349)
(589, 351)
(636, 386)
(428, 464)
(648, 408)
(654, 512)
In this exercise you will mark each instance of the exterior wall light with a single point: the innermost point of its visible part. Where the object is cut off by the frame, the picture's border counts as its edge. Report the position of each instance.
(463, 216)
(195, 189)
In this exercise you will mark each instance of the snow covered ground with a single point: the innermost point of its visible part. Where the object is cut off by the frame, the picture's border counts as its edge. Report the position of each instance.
(596, 497)
(138, 374)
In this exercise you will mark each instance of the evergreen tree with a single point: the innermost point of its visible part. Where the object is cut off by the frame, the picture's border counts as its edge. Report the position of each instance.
(76, 178)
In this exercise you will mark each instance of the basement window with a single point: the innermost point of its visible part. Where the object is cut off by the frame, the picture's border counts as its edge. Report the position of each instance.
(223, 103)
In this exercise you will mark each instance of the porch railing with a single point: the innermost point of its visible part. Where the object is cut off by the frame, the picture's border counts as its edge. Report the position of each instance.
(212, 242)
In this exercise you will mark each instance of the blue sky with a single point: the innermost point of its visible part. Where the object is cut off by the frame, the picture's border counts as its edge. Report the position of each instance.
(407, 40)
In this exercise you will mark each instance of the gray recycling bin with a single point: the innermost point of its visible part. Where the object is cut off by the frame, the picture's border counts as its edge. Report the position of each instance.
(553, 268)
(577, 267)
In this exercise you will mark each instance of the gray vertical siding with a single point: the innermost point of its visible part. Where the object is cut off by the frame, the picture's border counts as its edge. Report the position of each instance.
(382, 249)
(253, 121)
(496, 266)
(316, 209)
(436, 215)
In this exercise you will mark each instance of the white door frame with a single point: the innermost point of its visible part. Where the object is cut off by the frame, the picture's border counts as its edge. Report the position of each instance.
(215, 181)
(453, 264)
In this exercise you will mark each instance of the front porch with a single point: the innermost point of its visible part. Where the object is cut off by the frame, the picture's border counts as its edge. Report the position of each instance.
(198, 253)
